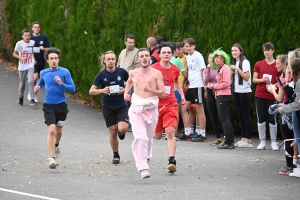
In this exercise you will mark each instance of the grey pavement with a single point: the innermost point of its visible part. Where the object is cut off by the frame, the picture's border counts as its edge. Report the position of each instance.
(85, 170)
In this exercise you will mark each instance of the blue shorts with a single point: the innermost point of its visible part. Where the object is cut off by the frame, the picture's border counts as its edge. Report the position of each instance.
(178, 96)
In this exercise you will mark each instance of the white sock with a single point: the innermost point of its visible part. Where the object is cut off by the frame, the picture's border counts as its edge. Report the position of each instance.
(295, 161)
(187, 131)
(198, 129)
(192, 128)
(202, 132)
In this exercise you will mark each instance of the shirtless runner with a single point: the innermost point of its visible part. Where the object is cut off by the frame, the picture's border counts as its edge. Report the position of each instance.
(143, 113)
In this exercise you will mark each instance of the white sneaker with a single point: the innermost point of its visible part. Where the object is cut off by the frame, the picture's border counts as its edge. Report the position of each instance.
(145, 174)
(36, 99)
(274, 146)
(52, 163)
(29, 97)
(296, 172)
(238, 143)
(261, 146)
(245, 144)
(57, 150)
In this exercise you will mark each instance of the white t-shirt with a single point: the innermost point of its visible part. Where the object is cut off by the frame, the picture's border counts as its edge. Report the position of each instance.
(25, 49)
(246, 87)
(195, 64)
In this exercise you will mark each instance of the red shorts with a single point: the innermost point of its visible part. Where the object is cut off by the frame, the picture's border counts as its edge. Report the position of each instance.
(192, 105)
(167, 117)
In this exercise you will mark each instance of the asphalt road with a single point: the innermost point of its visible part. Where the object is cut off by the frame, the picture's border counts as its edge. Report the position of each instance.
(85, 170)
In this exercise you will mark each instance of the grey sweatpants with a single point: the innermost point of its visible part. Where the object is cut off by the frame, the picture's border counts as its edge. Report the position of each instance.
(22, 77)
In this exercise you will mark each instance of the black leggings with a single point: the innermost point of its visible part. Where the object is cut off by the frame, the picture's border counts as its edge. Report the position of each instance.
(242, 102)
(213, 112)
(223, 110)
(287, 134)
(262, 107)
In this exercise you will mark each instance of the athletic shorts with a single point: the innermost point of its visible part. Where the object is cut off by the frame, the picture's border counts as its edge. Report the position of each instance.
(38, 69)
(192, 105)
(195, 95)
(114, 115)
(55, 114)
(167, 117)
(178, 96)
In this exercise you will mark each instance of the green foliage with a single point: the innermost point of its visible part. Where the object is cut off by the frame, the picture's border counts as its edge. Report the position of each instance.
(83, 29)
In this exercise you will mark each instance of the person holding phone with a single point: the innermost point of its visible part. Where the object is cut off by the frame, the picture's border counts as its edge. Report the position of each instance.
(285, 96)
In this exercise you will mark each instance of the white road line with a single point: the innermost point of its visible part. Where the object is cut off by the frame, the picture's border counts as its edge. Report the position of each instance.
(27, 194)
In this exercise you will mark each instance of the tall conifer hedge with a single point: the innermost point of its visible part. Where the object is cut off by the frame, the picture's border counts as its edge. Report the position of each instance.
(83, 29)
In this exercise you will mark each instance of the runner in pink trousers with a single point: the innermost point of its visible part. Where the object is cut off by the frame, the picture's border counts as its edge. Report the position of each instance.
(143, 113)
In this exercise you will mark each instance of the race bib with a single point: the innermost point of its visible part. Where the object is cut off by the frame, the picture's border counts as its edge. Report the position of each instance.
(36, 50)
(168, 89)
(60, 124)
(114, 88)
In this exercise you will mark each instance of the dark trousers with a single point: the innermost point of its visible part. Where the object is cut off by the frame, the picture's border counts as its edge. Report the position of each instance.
(223, 110)
(262, 110)
(213, 112)
(242, 102)
(287, 134)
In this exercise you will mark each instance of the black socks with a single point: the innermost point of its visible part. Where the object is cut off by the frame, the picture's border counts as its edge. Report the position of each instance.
(116, 154)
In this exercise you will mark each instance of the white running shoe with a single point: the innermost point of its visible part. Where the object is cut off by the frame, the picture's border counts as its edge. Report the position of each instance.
(274, 146)
(261, 146)
(245, 144)
(296, 172)
(145, 174)
(52, 163)
(238, 143)
(29, 97)
(57, 150)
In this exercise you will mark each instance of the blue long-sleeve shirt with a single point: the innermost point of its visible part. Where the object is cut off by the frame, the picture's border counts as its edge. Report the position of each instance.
(55, 93)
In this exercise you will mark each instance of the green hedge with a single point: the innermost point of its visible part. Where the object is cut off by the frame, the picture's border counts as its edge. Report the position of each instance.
(83, 29)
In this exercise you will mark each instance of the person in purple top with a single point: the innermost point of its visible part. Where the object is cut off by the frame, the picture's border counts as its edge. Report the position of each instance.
(209, 75)
(56, 80)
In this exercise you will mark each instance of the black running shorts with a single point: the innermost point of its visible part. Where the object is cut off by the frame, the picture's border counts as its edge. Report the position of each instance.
(55, 114)
(114, 115)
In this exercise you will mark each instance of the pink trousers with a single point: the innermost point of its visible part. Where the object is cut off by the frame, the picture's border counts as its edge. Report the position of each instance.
(143, 116)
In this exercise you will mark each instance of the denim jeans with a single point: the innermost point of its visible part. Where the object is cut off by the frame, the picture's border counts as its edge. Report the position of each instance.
(296, 129)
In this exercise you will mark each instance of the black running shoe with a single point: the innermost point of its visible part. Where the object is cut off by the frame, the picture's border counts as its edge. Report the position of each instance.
(116, 160)
(183, 136)
(21, 101)
(226, 146)
(199, 138)
(33, 103)
(121, 136)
